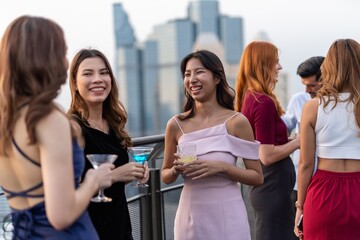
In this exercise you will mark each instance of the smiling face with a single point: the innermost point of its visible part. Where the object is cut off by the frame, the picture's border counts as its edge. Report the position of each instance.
(93, 81)
(199, 82)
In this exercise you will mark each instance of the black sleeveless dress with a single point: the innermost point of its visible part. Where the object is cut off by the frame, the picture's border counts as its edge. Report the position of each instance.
(112, 219)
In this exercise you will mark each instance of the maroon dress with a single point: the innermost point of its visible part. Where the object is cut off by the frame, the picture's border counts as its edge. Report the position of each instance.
(273, 209)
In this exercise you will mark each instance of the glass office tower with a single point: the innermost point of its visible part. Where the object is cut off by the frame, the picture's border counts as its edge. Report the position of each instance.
(149, 75)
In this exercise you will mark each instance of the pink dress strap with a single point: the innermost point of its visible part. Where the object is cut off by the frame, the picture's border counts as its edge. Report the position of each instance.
(235, 114)
(177, 122)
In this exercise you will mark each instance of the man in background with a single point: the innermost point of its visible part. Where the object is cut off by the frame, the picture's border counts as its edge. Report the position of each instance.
(309, 72)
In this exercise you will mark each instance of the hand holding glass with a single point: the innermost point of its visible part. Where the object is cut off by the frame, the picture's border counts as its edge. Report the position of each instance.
(96, 160)
(140, 155)
(187, 153)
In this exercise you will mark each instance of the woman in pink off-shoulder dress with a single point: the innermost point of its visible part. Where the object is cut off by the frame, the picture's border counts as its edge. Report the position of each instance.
(211, 205)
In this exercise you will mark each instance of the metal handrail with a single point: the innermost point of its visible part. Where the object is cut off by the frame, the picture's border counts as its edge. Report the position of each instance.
(151, 203)
(148, 139)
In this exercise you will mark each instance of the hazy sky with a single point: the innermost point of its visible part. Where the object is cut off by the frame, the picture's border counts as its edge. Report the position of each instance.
(300, 29)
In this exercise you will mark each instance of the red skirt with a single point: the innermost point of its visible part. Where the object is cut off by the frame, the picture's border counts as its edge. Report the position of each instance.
(332, 206)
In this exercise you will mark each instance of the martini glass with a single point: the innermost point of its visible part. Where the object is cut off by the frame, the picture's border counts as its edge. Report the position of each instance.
(140, 155)
(96, 160)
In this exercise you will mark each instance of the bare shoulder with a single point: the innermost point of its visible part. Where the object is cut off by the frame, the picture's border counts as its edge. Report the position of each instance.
(56, 120)
(56, 116)
(310, 108)
(173, 129)
(239, 120)
(240, 127)
(172, 124)
(309, 113)
(312, 104)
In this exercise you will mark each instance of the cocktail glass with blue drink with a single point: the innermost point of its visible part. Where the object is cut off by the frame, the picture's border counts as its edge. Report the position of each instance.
(140, 155)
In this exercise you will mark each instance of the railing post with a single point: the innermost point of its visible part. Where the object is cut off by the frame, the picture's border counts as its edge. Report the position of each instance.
(155, 192)
(145, 211)
(151, 201)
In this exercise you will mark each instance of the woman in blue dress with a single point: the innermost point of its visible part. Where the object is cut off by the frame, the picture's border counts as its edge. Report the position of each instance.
(40, 158)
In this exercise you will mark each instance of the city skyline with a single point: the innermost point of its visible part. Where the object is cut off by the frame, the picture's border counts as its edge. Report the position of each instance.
(148, 74)
(300, 29)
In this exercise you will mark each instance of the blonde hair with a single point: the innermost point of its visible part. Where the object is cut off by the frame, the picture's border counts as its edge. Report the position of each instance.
(340, 72)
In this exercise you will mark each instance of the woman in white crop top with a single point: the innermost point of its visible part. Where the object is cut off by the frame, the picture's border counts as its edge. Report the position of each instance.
(330, 128)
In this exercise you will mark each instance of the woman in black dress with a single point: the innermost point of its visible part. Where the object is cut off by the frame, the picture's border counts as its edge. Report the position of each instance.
(102, 118)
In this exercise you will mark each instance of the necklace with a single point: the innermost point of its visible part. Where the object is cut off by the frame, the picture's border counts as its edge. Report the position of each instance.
(103, 127)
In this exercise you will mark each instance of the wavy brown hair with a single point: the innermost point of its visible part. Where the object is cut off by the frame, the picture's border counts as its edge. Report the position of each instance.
(32, 69)
(340, 72)
(113, 110)
(256, 73)
(224, 93)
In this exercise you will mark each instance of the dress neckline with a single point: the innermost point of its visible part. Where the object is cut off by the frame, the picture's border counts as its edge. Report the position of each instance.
(201, 130)
(99, 131)
(207, 128)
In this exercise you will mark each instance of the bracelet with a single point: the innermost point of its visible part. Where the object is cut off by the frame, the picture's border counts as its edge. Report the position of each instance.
(298, 205)
(175, 172)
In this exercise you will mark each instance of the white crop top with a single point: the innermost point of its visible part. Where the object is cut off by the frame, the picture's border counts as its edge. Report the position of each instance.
(337, 134)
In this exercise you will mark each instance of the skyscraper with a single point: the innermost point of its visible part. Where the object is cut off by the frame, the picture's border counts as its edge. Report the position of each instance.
(205, 15)
(149, 76)
(124, 33)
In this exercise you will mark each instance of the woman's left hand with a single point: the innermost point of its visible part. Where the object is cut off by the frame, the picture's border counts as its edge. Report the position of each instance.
(298, 232)
(200, 169)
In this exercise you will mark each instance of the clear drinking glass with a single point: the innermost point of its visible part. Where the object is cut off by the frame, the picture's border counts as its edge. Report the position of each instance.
(140, 155)
(187, 153)
(96, 160)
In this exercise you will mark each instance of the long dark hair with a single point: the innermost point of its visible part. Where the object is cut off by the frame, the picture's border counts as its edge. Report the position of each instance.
(113, 110)
(224, 93)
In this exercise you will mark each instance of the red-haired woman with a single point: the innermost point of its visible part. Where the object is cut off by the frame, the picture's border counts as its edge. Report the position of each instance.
(258, 74)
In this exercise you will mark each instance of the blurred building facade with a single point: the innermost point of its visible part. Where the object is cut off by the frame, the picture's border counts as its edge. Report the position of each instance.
(148, 73)
(149, 76)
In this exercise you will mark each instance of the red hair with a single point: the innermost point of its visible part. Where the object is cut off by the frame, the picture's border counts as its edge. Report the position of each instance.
(256, 73)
